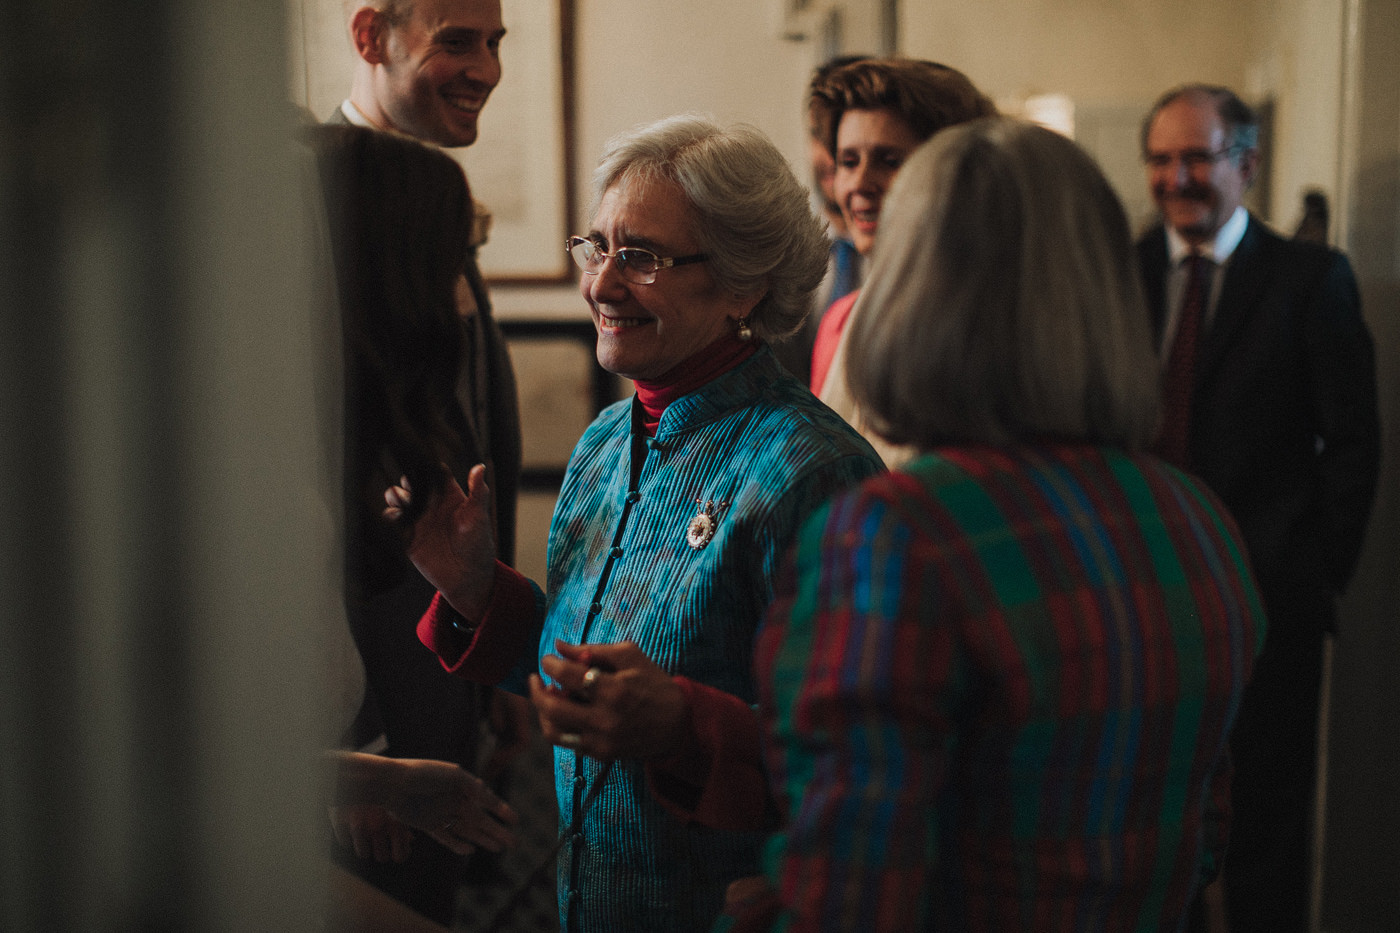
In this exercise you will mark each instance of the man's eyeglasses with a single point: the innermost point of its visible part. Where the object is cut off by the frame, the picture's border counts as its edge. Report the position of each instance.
(1193, 159)
(636, 265)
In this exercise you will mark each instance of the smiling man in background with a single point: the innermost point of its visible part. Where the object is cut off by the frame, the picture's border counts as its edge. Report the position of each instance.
(1269, 395)
(425, 68)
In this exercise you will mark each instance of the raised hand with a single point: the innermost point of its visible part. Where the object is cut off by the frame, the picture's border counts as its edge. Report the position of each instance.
(452, 543)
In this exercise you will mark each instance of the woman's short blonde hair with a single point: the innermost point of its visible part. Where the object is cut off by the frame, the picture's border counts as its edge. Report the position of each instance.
(1003, 303)
(752, 216)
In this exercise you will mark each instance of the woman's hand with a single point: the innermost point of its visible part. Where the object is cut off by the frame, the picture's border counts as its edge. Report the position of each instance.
(378, 800)
(372, 832)
(452, 805)
(452, 544)
(610, 701)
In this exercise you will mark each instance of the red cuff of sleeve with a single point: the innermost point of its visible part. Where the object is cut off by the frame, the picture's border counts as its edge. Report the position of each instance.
(717, 778)
(487, 652)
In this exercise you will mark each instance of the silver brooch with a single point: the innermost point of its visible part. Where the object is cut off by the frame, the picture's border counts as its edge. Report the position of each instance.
(702, 526)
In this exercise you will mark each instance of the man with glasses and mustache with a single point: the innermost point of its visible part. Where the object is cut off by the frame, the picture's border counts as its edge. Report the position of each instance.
(1269, 395)
(425, 69)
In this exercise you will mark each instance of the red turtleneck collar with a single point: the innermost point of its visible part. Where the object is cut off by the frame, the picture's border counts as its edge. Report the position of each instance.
(709, 364)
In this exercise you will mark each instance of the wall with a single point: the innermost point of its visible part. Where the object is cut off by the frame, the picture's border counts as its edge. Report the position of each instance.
(641, 62)
(1114, 58)
(1298, 64)
(1097, 51)
(728, 58)
(1361, 870)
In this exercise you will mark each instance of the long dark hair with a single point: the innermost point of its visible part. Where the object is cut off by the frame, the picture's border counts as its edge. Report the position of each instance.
(399, 222)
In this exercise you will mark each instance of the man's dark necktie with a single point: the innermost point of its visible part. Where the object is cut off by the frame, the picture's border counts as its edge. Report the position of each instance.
(1173, 444)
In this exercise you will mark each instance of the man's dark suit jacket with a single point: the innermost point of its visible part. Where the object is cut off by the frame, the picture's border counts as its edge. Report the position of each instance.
(1284, 423)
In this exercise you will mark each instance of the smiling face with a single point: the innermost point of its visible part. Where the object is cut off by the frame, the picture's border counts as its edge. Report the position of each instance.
(1195, 201)
(646, 330)
(871, 145)
(439, 64)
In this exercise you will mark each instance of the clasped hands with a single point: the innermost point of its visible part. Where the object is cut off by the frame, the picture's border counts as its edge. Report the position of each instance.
(605, 701)
(609, 701)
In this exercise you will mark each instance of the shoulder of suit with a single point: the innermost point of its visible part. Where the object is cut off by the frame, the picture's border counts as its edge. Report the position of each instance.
(1155, 237)
(1266, 240)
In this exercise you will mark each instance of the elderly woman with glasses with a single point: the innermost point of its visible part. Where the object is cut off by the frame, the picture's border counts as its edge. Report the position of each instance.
(674, 513)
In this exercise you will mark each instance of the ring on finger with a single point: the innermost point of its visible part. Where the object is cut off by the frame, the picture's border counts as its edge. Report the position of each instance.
(590, 680)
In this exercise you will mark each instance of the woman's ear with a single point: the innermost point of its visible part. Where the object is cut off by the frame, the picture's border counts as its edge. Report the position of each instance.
(740, 312)
(741, 307)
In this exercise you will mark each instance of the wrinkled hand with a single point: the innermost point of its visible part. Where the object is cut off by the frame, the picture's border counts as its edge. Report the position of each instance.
(633, 708)
(452, 543)
(453, 806)
(372, 832)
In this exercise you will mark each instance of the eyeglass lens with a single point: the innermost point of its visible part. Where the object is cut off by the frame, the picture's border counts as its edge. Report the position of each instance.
(636, 264)
(1192, 159)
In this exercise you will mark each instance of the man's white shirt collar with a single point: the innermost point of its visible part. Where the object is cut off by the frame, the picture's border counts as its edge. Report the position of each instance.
(355, 116)
(1218, 250)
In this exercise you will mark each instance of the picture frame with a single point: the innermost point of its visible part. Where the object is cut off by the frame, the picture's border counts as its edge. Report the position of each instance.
(521, 167)
(835, 27)
(561, 389)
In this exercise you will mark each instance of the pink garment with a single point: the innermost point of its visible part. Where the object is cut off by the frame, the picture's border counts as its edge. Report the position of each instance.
(829, 331)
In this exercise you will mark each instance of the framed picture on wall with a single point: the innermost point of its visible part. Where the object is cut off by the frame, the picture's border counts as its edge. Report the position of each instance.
(561, 388)
(520, 166)
(839, 27)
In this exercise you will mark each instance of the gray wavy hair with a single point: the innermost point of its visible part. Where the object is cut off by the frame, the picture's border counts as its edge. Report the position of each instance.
(753, 218)
(1003, 303)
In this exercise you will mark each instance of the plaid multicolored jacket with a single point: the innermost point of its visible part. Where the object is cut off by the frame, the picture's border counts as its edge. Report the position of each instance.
(996, 688)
